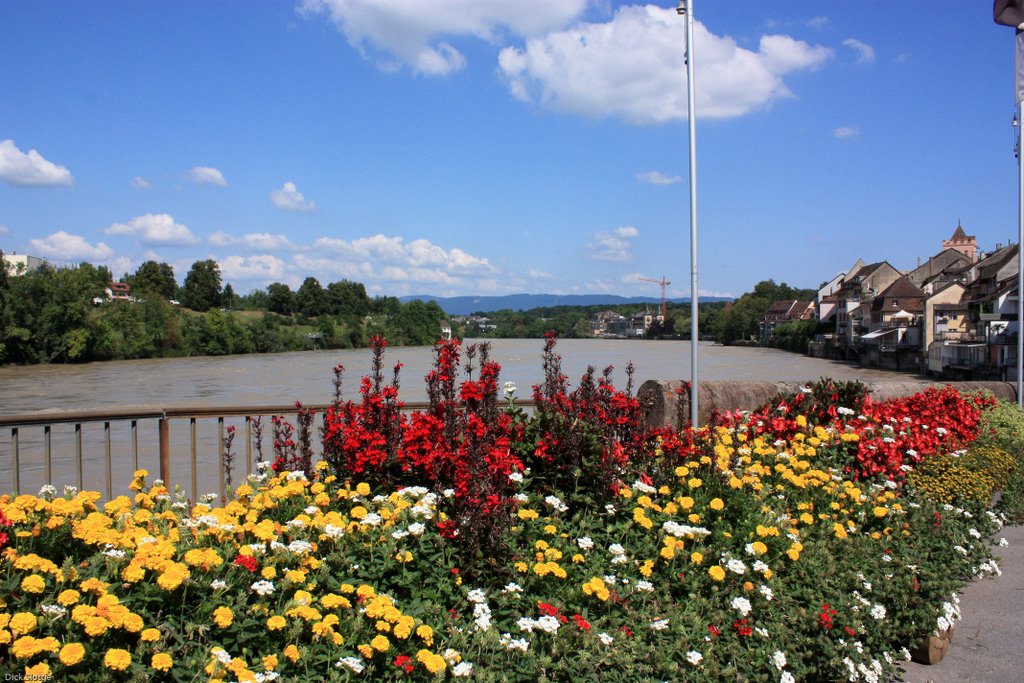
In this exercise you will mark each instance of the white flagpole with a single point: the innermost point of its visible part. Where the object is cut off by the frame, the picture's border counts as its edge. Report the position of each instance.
(1020, 243)
(685, 8)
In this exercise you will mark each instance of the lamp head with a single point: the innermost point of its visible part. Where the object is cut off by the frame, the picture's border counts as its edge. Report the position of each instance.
(681, 9)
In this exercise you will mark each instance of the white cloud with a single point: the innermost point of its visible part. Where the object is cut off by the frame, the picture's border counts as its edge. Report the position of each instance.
(535, 274)
(844, 132)
(4, 230)
(264, 267)
(818, 22)
(416, 256)
(413, 31)
(612, 246)
(206, 175)
(631, 68)
(288, 198)
(141, 183)
(254, 241)
(64, 246)
(154, 229)
(658, 178)
(30, 169)
(865, 53)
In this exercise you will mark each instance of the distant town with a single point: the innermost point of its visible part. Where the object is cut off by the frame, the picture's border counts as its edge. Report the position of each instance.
(952, 316)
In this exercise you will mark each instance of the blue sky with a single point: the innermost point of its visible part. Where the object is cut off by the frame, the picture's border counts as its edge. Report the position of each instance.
(457, 147)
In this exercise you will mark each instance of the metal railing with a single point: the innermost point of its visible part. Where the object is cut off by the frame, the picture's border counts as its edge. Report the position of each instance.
(122, 427)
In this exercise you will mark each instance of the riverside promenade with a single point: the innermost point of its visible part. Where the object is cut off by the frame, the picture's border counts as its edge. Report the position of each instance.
(989, 638)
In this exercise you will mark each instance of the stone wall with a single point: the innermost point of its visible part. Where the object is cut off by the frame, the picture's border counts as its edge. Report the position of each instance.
(662, 404)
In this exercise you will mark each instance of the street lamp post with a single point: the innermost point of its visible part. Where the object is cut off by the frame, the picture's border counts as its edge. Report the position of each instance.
(685, 9)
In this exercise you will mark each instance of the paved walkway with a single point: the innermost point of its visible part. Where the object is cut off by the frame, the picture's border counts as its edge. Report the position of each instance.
(989, 638)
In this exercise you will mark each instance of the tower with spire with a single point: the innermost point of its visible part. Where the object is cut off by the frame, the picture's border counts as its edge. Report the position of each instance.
(962, 242)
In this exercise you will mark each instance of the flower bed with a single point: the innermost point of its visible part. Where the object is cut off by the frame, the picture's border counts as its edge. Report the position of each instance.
(473, 540)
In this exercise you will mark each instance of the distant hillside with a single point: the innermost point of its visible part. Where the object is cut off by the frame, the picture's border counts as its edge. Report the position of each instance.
(465, 305)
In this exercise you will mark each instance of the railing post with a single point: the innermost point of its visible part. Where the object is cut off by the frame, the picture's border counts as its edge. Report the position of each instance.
(165, 451)
(15, 482)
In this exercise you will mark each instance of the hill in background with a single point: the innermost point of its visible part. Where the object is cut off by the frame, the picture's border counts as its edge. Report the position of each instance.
(466, 305)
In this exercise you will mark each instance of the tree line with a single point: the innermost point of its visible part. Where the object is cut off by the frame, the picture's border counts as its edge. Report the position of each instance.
(50, 315)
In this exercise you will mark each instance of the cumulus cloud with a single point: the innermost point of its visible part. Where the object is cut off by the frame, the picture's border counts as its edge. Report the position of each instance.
(206, 175)
(64, 246)
(612, 246)
(141, 183)
(263, 267)
(288, 198)
(658, 178)
(30, 169)
(154, 229)
(865, 53)
(414, 33)
(844, 132)
(406, 259)
(631, 68)
(254, 241)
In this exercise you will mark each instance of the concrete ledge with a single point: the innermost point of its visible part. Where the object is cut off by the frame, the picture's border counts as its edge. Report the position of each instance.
(662, 404)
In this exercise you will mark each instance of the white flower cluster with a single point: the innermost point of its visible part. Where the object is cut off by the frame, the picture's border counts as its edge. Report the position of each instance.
(585, 543)
(354, 664)
(510, 643)
(683, 530)
(556, 503)
(263, 588)
(741, 605)
(618, 554)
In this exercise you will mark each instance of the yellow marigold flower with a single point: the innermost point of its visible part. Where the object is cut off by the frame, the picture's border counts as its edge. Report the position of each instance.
(71, 654)
(685, 502)
(793, 554)
(697, 558)
(132, 623)
(38, 672)
(380, 643)
(716, 504)
(881, 511)
(403, 629)
(22, 623)
(334, 601)
(223, 617)
(717, 573)
(270, 662)
(682, 471)
(759, 547)
(365, 650)
(694, 518)
(363, 489)
(647, 568)
(521, 567)
(425, 633)
(94, 586)
(161, 661)
(433, 662)
(695, 483)
(33, 584)
(526, 514)
(117, 659)
(150, 635)
(807, 518)
(133, 573)
(268, 573)
(839, 530)
(276, 623)
(292, 653)
(295, 576)
(664, 490)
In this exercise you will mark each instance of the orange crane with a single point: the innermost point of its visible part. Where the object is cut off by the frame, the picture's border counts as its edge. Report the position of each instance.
(664, 283)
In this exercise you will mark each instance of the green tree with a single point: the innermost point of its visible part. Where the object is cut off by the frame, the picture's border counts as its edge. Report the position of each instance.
(311, 299)
(228, 297)
(348, 299)
(202, 287)
(157, 278)
(280, 299)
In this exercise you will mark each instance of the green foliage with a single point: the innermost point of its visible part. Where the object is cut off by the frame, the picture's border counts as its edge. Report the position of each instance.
(153, 278)
(311, 299)
(202, 288)
(280, 299)
(1002, 427)
(740, 321)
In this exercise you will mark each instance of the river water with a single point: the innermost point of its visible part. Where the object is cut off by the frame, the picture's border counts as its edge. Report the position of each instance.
(306, 376)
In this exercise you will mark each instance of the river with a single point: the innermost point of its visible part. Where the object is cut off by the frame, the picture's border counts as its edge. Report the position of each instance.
(306, 376)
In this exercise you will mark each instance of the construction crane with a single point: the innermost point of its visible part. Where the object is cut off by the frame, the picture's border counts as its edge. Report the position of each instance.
(664, 283)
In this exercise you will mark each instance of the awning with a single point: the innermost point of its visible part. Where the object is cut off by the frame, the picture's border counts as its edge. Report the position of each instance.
(878, 333)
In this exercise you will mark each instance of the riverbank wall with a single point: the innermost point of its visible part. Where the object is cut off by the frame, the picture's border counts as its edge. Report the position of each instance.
(663, 401)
